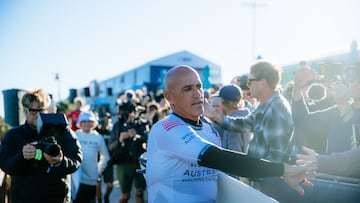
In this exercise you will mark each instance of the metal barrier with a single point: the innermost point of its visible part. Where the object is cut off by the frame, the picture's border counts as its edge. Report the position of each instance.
(332, 189)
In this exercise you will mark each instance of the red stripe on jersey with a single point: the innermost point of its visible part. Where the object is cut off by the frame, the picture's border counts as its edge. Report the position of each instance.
(168, 125)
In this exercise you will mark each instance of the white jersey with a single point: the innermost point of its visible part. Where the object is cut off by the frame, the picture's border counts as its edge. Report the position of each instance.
(172, 172)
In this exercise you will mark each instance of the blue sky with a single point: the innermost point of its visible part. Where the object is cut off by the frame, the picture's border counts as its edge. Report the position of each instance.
(94, 40)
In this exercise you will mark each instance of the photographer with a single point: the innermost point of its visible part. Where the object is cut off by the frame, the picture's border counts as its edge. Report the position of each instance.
(35, 175)
(311, 112)
(321, 109)
(127, 144)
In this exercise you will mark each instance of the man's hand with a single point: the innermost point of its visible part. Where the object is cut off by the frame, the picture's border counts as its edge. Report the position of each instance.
(29, 150)
(310, 157)
(210, 112)
(123, 135)
(54, 160)
(294, 175)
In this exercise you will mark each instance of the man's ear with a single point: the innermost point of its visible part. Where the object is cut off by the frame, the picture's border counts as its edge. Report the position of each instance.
(24, 111)
(168, 96)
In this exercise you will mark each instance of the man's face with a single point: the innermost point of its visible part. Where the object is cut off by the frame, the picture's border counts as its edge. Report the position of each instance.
(32, 113)
(186, 95)
(87, 126)
(254, 85)
(216, 104)
(246, 94)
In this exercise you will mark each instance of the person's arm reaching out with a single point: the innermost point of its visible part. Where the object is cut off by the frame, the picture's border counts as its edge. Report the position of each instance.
(241, 164)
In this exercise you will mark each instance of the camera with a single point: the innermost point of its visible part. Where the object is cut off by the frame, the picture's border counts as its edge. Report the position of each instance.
(49, 126)
(49, 146)
(316, 98)
(126, 108)
(316, 95)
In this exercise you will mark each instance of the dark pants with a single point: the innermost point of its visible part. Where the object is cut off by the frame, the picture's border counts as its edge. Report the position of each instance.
(86, 194)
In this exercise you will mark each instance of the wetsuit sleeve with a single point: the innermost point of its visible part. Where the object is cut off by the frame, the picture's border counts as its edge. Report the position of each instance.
(238, 163)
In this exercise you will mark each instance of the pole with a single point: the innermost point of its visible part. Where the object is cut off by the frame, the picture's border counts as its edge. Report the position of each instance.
(57, 78)
(253, 5)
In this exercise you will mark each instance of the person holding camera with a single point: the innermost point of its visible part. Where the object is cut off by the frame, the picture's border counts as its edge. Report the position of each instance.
(128, 135)
(312, 110)
(324, 110)
(37, 176)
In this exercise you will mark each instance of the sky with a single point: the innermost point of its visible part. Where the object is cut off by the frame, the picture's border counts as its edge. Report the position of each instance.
(87, 40)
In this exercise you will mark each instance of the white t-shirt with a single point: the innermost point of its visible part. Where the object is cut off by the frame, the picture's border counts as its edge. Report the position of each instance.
(92, 145)
(172, 172)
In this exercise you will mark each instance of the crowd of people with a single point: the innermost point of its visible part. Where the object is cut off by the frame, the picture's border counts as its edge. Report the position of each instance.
(266, 136)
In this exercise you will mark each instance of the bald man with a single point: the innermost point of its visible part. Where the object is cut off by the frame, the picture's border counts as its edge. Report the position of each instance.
(183, 153)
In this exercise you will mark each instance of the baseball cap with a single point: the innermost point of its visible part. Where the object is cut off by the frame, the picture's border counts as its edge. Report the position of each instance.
(230, 93)
(244, 82)
(86, 116)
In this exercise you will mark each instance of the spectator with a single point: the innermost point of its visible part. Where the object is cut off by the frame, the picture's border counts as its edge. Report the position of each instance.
(92, 167)
(182, 152)
(250, 101)
(152, 112)
(104, 129)
(341, 162)
(126, 148)
(271, 124)
(233, 105)
(74, 114)
(311, 121)
(216, 103)
(322, 113)
(37, 176)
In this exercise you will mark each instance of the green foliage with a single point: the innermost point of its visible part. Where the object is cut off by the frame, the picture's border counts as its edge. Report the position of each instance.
(63, 107)
(3, 127)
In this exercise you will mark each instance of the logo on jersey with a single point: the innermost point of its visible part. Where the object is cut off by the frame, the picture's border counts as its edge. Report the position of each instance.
(168, 125)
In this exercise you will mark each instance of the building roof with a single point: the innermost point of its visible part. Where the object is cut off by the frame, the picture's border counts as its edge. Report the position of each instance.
(182, 57)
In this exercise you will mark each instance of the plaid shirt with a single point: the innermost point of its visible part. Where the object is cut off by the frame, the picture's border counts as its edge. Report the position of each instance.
(273, 127)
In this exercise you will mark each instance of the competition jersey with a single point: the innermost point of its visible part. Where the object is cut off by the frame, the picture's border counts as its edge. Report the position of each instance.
(172, 172)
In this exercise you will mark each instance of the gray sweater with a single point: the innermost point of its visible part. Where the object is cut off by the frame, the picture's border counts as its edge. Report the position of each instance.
(342, 164)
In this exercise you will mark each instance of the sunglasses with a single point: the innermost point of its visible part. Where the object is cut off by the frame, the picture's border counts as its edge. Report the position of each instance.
(35, 111)
(250, 80)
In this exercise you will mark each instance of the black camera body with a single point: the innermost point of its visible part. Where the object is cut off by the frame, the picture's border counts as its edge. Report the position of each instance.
(49, 146)
(49, 126)
(316, 98)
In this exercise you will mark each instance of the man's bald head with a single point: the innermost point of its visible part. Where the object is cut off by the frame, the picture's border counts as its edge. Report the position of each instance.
(176, 72)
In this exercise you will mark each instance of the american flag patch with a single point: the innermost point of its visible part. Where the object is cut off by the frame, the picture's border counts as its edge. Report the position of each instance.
(168, 125)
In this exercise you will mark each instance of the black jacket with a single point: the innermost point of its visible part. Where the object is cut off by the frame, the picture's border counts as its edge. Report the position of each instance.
(131, 148)
(33, 180)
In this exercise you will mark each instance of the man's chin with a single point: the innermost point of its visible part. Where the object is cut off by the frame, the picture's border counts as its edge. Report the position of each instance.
(199, 110)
